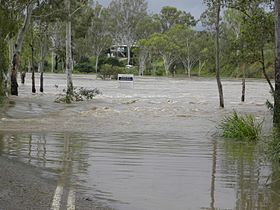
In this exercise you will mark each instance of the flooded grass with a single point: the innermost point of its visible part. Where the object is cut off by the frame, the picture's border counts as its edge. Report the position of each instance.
(240, 127)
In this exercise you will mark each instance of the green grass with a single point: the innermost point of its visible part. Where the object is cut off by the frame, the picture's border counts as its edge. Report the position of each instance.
(274, 145)
(240, 127)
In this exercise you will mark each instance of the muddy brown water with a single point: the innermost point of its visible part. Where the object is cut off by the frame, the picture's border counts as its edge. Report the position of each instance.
(151, 147)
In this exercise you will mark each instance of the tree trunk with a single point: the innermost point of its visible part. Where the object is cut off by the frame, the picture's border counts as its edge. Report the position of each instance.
(243, 85)
(200, 67)
(167, 65)
(69, 59)
(53, 57)
(32, 61)
(22, 76)
(42, 82)
(143, 56)
(18, 46)
(189, 62)
(128, 55)
(189, 68)
(2, 92)
(96, 63)
(276, 114)
(56, 63)
(11, 54)
(33, 69)
(264, 71)
(219, 83)
(43, 55)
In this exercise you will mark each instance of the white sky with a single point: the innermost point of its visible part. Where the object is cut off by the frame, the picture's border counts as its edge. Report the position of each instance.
(195, 7)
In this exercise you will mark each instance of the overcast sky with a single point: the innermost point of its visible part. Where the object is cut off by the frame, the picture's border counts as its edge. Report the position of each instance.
(195, 7)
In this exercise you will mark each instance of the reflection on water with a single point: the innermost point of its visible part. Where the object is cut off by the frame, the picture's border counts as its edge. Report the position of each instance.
(152, 171)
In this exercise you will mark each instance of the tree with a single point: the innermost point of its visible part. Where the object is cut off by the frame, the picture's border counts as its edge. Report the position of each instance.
(144, 29)
(276, 115)
(165, 46)
(188, 51)
(214, 15)
(143, 55)
(125, 14)
(169, 16)
(256, 34)
(98, 35)
(8, 27)
(18, 46)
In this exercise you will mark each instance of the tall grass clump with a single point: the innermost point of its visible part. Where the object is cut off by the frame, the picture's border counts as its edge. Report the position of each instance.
(240, 127)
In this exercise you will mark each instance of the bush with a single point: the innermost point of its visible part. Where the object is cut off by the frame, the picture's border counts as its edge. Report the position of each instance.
(80, 94)
(240, 127)
(84, 67)
(110, 72)
(113, 61)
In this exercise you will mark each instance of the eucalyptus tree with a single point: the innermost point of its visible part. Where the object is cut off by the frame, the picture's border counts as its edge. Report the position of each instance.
(27, 13)
(234, 19)
(185, 38)
(213, 17)
(165, 46)
(99, 33)
(125, 14)
(8, 26)
(170, 16)
(257, 31)
(71, 8)
(144, 29)
(205, 47)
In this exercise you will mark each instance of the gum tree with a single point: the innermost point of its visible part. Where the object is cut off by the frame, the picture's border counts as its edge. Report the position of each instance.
(125, 14)
(213, 17)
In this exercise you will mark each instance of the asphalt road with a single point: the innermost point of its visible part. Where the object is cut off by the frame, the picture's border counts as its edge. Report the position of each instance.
(22, 187)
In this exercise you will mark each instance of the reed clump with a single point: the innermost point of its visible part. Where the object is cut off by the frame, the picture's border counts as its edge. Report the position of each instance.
(240, 127)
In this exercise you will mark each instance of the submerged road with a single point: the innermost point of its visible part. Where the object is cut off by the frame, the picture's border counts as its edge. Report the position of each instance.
(150, 147)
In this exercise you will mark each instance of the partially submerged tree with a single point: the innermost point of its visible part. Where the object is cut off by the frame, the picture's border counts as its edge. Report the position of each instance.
(18, 46)
(213, 14)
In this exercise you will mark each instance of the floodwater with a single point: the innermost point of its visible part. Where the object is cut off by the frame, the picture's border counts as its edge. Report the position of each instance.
(148, 148)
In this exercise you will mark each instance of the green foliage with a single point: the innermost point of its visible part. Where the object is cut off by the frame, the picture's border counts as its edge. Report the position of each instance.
(169, 16)
(80, 94)
(108, 71)
(274, 145)
(240, 127)
(114, 62)
(85, 67)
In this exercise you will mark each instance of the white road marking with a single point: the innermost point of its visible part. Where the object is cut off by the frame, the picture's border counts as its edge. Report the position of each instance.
(57, 198)
(71, 200)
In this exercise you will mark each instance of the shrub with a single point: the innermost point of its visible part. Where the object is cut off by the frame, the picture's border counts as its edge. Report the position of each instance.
(108, 71)
(80, 94)
(113, 61)
(240, 127)
(84, 67)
